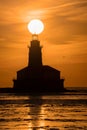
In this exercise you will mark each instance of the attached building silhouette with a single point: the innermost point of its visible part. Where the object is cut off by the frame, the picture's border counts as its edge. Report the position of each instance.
(36, 77)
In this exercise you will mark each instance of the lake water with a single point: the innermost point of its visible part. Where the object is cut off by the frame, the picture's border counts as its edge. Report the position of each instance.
(66, 111)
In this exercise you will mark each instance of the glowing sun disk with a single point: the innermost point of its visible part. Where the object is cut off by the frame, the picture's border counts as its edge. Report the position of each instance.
(35, 26)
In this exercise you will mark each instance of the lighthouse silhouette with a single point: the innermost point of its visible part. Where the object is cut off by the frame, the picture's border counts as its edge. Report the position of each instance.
(36, 77)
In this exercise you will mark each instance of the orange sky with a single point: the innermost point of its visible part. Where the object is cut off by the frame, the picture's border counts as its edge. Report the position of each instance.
(64, 38)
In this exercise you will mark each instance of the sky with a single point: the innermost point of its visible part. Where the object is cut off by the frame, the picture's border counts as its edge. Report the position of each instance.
(64, 38)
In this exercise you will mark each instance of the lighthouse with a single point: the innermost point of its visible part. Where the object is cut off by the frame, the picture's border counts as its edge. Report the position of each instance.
(36, 77)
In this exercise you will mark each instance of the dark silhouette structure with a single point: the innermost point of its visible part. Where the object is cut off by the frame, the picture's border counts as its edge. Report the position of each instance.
(36, 77)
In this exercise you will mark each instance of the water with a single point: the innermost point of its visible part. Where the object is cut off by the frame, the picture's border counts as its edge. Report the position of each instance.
(67, 111)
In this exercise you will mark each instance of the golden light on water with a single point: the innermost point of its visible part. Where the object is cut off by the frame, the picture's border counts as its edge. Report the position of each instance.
(35, 26)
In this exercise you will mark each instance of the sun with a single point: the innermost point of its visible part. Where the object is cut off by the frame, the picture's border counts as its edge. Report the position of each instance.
(35, 26)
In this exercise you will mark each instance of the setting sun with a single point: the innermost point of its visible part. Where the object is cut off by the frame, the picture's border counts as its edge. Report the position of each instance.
(35, 26)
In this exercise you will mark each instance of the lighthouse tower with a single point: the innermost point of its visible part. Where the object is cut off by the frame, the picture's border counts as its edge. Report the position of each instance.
(35, 54)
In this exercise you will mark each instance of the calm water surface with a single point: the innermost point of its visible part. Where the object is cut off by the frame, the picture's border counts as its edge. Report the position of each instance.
(66, 111)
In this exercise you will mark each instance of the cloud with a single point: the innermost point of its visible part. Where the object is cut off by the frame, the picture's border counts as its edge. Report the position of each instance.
(65, 19)
(24, 9)
(72, 10)
(2, 39)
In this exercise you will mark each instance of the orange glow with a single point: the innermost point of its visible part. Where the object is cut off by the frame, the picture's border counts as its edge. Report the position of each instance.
(64, 38)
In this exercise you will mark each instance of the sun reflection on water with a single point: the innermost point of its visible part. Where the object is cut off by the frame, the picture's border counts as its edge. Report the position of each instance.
(43, 113)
